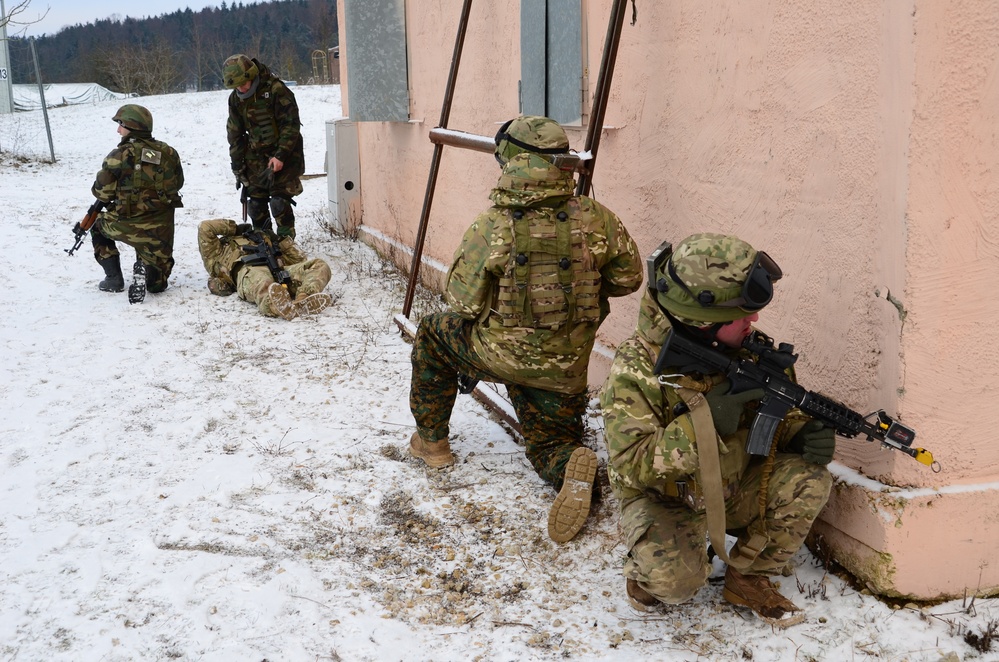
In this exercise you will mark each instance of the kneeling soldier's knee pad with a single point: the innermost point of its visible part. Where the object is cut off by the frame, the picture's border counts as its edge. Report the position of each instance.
(284, 215)
(256, 209)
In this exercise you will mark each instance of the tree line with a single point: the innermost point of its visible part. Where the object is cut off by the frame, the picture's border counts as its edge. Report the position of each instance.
(185, 49)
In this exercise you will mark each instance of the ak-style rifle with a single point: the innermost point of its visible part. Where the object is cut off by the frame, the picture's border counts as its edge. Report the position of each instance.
(80, 229)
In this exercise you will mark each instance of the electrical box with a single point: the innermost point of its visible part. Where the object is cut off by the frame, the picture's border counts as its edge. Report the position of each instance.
(343, 177)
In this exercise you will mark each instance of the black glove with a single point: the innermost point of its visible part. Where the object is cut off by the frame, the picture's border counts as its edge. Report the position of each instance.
(243, 228)
(815, 442)
(726, 408)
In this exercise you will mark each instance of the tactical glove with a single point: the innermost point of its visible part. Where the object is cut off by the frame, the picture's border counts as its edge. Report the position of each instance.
(726, 408)
(243, 228)
(815, 442)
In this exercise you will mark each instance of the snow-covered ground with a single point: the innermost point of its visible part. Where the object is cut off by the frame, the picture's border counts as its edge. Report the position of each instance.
(187, 480)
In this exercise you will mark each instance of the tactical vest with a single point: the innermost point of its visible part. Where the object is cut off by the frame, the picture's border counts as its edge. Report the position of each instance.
(260, 115)
(149, 178)
(551, 280)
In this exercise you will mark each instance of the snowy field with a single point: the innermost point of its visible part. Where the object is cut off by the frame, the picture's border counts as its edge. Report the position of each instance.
(187, 480)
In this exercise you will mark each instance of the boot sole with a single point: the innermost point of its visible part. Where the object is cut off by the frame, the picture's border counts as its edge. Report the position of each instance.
(572, 505)
(281, 302)
(313, 304)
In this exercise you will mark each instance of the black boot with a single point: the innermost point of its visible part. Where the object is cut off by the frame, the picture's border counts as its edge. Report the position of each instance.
(137, 290)
(155, 282)
(114, 281)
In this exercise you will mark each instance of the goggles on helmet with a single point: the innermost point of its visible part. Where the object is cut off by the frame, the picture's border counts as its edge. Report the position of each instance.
(502, 135)
(757, 289)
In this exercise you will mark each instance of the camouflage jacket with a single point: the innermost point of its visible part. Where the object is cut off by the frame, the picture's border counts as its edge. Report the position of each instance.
(552, 359)
(650, 448)
(140, 175)
(221, 249)
(265, 125)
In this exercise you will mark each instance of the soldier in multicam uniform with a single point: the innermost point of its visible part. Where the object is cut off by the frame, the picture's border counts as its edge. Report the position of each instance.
(221, 243)
(529, 286)
(265, 142)
(712, 288)
(139, 183)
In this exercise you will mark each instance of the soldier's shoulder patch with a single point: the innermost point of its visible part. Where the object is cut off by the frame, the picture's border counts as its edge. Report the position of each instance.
(151, 156)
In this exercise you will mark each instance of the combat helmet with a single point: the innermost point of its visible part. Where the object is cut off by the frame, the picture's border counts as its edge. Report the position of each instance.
(134, 117)
(238, 69)
(711, 278)
(529, 133)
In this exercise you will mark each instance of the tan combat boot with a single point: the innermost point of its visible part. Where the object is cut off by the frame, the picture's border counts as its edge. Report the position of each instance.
(757, 593)
(280, 301)
(639, 598)
(313, 304)
(572, 505)
(435, 455)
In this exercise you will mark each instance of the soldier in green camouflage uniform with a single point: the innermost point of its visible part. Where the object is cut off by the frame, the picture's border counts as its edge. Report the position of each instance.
(265, 142)
(223, 244)
(712, 287)
(139, 183)
(529, 286)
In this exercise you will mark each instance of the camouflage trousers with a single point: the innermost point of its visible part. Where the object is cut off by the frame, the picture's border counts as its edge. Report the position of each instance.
(150, 234)
(667, 541)
(309, 277)
(552, 423)
(276, 192)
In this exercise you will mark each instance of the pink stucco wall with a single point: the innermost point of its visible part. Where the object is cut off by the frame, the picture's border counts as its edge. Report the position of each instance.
(853, 141)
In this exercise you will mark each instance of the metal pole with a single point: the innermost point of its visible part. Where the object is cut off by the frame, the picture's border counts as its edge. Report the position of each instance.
(41, 95)
(602, 92)
(435, 162)
(577, 161)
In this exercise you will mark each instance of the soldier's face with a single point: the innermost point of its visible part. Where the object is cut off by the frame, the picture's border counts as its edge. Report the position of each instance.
(733, 333)
(244, 88)
(122, 130)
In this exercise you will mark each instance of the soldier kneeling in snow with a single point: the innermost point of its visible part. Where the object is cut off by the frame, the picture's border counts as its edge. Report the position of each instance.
(229, 252)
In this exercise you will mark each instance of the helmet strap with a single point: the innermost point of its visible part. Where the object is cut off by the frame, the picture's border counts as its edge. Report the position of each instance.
(707, 335)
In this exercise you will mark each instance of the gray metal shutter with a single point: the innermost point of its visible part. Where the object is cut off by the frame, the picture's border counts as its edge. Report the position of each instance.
(533, 57)
(377, 77)
(565, 62)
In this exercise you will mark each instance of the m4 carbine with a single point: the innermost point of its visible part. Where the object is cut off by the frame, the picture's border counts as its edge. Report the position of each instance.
(684, 354)
(263, 252)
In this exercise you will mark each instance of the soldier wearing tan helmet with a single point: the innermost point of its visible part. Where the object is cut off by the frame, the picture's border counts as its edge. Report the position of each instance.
(139, 183)
(265, 142)
(710, 288)
(528, 287)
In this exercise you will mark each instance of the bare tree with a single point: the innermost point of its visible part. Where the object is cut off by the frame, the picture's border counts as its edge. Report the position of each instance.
(160, 73)
(217, 49)
(151, 70)
(13, 15)
(323, 24)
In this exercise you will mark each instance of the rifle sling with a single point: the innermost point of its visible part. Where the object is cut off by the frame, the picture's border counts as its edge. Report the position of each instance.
(711, 484)
(711, 481)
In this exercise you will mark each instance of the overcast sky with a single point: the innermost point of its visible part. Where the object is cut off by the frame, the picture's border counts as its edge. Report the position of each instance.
(63, 13)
